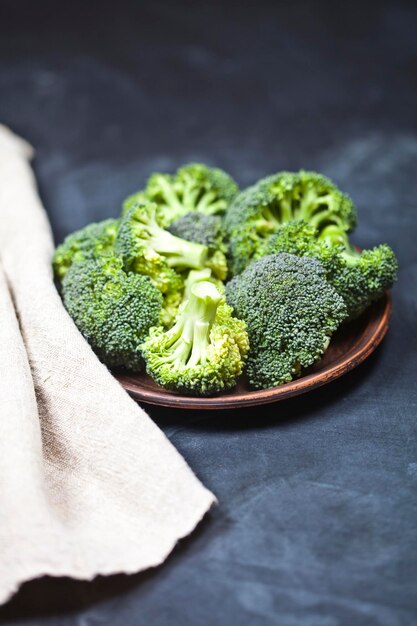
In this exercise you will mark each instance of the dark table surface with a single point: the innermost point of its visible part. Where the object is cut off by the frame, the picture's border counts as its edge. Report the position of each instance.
(316, 523)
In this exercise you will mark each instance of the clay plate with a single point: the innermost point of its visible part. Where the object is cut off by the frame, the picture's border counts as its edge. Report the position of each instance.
(350, 345)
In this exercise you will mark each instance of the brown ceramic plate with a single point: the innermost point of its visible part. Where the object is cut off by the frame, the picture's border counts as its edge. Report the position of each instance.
(351, 345)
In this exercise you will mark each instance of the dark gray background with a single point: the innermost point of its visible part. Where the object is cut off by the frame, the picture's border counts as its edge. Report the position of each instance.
(317, 515)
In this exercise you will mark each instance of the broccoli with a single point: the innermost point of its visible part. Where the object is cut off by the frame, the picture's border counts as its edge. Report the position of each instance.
(93, 240)
(195, 276)
(135, 198)
(194, 187)
(207, 230)
(204, 352)
(113, 309)
(290, 311)
(148, 249)
(359, 277)
(141, 242)
(257, 212)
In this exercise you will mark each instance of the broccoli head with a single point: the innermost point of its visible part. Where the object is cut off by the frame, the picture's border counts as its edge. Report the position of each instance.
(139, 197)
(290, 311)
(257, 212)
(208, 231)
(113, 309)
(204, 352)
(359, 277)
(93, 240)
(194, 187)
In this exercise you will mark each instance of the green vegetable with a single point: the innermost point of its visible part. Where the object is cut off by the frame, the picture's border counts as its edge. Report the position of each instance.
(142, 243)
(359, 277)
(208, 231)
(194, 187)
(290, 311)
(204, 352)
(149, 286)
(91, 241)
(139, 197)
(257, 213)
(146, 248)
(113, 309)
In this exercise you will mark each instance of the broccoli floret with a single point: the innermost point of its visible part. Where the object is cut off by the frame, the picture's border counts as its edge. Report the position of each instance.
(204, 352)
(364, 277)
(194, 187)
(207, 230)
(148, 249)
(139, 197)
(257, 212)
(291, 312)
(359, 277)
(140, 239)
(93, 240)
(113, 309)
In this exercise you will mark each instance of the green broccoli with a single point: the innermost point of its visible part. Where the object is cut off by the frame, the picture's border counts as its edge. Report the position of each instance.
(207, 230)
(359, 277)
(194, 187)
(139, 197)
(148, 249)
(113, 309)
(290, 311)
(93, 240)
(195, 276)
(204, 352)
(257, 212)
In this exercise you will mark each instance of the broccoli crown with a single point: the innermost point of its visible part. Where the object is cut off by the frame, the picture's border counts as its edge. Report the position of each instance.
(201, 228)
(139, 197)
(194, 187)
(257, 212)
(364, 277)
(291, 312)
(359, 277)
(208, 231)
(113, 309)
(204, 352)
(93, 240)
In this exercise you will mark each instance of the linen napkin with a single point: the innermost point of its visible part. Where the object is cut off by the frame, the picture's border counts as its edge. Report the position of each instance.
(88, 484)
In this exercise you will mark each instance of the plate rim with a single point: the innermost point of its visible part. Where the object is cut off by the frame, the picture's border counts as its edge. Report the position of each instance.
(345, 364)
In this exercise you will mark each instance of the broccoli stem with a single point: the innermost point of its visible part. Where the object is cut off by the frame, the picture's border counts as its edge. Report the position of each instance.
(200, 343)
(189, 195)
(207, 204)
(178, 252)
(334, 235)
(189, 338)
(351, 256)
(169, 195)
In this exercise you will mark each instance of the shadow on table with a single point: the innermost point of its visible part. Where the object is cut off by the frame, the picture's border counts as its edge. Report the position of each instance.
(48, 598)
(299, 408)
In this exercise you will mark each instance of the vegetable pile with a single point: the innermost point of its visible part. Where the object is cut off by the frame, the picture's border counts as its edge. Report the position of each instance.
(198, 282)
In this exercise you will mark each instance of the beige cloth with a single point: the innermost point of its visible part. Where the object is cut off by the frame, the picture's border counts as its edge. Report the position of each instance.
(88, 484)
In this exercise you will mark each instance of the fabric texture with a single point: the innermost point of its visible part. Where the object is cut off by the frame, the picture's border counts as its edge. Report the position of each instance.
(88, 484)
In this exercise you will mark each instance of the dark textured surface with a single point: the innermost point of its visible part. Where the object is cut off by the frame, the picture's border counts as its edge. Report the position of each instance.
(317, 516)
